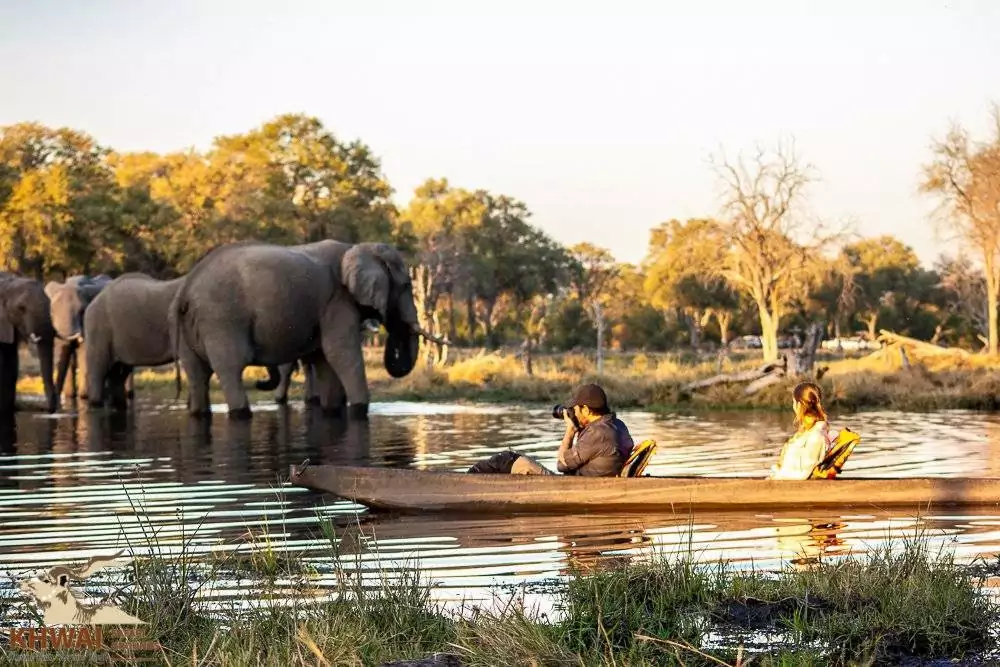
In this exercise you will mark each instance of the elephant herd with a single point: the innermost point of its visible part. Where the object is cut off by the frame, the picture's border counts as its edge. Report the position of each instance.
(243, 304)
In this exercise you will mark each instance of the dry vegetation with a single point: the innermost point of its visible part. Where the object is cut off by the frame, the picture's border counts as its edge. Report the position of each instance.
(881, 380)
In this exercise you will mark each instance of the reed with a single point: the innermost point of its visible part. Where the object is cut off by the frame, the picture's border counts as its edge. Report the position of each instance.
(896, 603)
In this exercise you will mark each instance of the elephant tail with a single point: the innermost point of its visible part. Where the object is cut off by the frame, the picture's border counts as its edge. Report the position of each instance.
(273, 378)
(179, 308)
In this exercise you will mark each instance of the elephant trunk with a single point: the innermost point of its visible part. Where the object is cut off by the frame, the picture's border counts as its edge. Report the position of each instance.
(65, 352)
(44, 347)
(401, 350)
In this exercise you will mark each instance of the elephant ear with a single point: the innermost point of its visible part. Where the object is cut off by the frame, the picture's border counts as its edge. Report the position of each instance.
(88, 291)
(52, 288)
(6, 326)
(366, 278)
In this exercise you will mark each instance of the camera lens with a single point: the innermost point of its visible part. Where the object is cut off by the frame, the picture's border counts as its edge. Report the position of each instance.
(557, 411)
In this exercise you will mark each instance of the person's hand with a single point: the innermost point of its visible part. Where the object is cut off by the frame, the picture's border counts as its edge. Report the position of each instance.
(570, 426)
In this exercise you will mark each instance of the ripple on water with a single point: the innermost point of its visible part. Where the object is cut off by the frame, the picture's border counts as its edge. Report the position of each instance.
(79, 483)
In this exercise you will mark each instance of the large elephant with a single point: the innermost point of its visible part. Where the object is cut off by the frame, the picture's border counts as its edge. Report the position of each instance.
(253, 303)
(24, 316)
(69, 301)
(127, 325)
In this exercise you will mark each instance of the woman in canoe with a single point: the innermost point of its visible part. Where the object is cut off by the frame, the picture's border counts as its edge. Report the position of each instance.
(811, 441)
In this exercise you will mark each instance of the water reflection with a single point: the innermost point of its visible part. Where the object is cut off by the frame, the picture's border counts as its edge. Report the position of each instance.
(154, 479)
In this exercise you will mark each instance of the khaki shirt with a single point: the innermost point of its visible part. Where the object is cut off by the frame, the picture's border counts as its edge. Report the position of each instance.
(595, 452)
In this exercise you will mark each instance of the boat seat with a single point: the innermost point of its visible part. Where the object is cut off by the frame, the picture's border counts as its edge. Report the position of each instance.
(638, 459)
(834, 461)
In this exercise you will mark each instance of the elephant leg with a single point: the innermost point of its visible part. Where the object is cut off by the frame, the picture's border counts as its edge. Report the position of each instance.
(64, 355)
(311, 396)
(116, 386)
(81, 360)
(8, 377)
(98, 370)
(198, 374)
(228, 361)
(130, 393)
(281, 393)
(330, 390)
(342, 350)
(73, 368)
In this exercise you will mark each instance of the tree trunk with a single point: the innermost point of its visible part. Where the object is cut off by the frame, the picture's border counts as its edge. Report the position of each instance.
(470, 314)
(526, 357)
(991, 305)
(872, 322)
(452, 329)
(694, 329)
(802, 360)
(599, 319)
(489, 306)
(724, 318)
(768, 334)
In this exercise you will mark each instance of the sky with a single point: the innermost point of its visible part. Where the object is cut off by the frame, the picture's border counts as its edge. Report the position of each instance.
(602, 117)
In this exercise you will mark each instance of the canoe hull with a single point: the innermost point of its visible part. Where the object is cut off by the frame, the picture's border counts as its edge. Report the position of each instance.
(419, 490)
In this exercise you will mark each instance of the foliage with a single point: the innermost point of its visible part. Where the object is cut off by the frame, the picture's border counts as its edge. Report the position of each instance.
(484, 272)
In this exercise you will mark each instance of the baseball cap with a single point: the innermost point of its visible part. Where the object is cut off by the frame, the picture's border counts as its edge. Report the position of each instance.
(590, 395)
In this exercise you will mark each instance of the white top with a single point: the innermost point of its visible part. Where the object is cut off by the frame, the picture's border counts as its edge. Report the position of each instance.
(802, 453)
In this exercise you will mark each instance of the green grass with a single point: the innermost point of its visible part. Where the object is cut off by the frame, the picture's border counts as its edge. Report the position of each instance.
(899, 602)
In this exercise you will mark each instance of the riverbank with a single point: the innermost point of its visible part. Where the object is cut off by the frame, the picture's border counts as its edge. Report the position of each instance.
(890, 607)
(652, 382)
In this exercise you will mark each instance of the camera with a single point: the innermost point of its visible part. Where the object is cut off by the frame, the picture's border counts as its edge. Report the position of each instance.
(559, 410)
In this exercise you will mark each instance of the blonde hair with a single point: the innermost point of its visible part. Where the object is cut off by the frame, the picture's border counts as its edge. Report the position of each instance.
(808, 405)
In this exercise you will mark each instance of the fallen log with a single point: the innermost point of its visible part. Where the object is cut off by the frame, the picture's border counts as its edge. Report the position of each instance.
(742, 376)
(766, 381)
(918, 346)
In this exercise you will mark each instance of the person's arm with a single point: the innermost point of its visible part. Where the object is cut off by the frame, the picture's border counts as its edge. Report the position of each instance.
(565, 445)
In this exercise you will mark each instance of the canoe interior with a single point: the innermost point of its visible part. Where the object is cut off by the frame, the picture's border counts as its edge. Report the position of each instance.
(407, 489)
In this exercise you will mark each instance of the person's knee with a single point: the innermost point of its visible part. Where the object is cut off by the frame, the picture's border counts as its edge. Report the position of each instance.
(525, 465)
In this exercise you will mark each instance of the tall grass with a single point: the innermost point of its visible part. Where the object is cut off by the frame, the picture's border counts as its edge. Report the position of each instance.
(898, 602)
(653, 381)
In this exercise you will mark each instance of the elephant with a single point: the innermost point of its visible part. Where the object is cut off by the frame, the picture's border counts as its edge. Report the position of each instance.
(24, 316)
(69, 300)
(253, 303)
(125, 326)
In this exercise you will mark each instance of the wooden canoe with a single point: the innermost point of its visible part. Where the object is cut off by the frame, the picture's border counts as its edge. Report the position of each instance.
(407, 489)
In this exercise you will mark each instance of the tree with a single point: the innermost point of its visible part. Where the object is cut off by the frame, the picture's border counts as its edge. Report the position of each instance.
(57, 202)
(309, 184)
(683, 270)
(592, 273)
(769, 241)
(965, 176)
(962, 299)
(883, 267)
(441, 219)
(512, 257)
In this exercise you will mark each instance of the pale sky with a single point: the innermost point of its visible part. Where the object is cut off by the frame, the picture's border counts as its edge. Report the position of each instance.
(600, 116)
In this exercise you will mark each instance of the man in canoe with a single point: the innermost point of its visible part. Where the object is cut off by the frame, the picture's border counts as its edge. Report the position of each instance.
(596, 442)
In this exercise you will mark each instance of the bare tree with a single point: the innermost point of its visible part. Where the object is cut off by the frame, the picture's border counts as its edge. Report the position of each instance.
(965, 175)
(770, 241)
(591, 276)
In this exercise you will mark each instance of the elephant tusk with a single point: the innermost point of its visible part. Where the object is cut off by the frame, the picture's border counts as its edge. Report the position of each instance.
(430, 337)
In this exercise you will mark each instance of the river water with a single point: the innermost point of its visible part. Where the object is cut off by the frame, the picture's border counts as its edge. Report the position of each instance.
(156, 481)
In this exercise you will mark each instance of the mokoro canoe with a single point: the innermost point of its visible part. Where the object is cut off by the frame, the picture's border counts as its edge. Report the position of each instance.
(420, 490)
